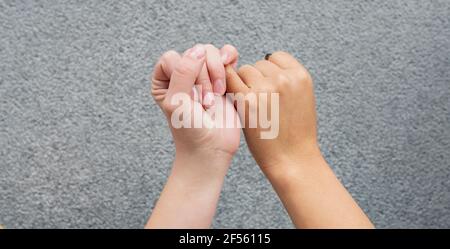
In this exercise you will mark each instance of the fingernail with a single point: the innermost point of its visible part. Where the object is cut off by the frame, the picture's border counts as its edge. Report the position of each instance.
(209, 99)
(224, 58)
(267, 56)
(197, 52)
(219, 86)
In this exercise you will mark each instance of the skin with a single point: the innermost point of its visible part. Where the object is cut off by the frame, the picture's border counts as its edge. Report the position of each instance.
(203, 155)
(311, 193)
(308, 188)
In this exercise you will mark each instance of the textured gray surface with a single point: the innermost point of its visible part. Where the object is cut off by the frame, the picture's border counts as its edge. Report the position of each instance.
(82, 144)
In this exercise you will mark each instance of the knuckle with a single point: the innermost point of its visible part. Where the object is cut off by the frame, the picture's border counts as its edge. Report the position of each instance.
(280, 53)
(300, 76)
(169, 54)
(209, 46)
(167, 106)
(271, 88)
(244, 69)
(230, 48)
(282, 80)
(302, 79)
(260, 63)
(279, 83)
(227, 45)
(309, 80)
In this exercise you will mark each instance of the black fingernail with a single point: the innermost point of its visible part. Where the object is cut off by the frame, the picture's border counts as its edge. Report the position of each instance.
(267, 56)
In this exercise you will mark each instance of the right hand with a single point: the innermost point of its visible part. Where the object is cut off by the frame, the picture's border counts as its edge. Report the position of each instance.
(308, 188)
(297, 139)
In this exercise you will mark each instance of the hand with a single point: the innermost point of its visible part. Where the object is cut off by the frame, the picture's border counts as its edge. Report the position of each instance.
(204, 65)
(203, 154)
(297, 138)
(308, 188)
(210, 80)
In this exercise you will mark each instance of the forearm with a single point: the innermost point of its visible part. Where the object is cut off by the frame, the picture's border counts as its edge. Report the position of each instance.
(190, 196)
(314, 197)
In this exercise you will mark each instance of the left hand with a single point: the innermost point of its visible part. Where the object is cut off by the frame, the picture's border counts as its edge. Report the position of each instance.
(201, 66)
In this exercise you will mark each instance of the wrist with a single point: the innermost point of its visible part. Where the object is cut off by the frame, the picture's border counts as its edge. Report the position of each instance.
(204, 155)
(314, 197)
(203, 160)
(296, 167)
(189, 198)
(200, 169)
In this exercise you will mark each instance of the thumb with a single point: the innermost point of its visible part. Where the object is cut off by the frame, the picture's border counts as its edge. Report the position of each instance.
(186, 71)
(234, 82)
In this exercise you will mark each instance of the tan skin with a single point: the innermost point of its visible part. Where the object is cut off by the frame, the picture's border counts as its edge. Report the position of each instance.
(308, 188)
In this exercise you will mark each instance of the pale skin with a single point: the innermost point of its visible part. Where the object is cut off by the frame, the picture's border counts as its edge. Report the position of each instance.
(306, 185)
(203, 155)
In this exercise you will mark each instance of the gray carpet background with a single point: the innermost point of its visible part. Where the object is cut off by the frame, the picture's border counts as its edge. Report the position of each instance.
(83, 145)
